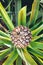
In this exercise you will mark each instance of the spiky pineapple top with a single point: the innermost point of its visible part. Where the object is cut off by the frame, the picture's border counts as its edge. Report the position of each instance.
(21, 36)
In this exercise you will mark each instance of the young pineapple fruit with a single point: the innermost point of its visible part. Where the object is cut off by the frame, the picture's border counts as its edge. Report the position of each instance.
(21, 36)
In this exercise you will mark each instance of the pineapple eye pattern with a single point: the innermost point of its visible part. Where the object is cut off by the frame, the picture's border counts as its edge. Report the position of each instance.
(21, 36)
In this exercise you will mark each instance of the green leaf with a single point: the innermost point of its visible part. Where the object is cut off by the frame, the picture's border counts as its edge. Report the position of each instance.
(34, 12)
(21, 54)
(2, 50)
(35, 26)
(4, 34)
(36, 45)
(12, 57)
(29, 58)
(37, 31)
(19, 61)
(5, 41)
(38, 60)
(22, 16)
(5, 53)
(17, 8)
(5, 38)
(36, 52)
(6, 18)
(37, 37)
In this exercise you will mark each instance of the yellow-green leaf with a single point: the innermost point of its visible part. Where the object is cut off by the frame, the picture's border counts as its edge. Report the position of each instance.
(6, 18)
(37, 31)
(12, 57)
(29, 58)
(4, 34)
(37, 37)
(22, 16)
(5, 53)
(34, 12)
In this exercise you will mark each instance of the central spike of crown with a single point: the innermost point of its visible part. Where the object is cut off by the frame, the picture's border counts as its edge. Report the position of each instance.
(21, 36)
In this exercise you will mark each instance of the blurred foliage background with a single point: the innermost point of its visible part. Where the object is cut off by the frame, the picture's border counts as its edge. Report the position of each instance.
(10, 8)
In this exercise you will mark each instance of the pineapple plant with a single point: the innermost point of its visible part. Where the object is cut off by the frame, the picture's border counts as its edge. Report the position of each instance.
(24, 42)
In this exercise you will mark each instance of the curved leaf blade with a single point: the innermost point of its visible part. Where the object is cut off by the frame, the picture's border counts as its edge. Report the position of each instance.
(29, 58)
(36, 52)
(34, 12)
(5, 53)
(4, 34)
(6, 18)
(37, 31)
(22, 16)
(12, 57)
(36, 45)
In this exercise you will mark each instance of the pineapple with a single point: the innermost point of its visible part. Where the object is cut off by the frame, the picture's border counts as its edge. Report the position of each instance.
(21, 36)
(24, 42)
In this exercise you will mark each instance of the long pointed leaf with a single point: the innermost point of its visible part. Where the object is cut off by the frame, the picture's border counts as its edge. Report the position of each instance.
(35, 26)
(38, 60)
(12, 57)
(34, 12)
(37, 37)
(22, 16)
(37, 45)
(21, 54)
(29, 58)
(6, 18)
(37, 31)
(17, 8)
(19, 61)
(5, 53)
(4, 38)
(36, 52)
(4, 34)
(5, 41)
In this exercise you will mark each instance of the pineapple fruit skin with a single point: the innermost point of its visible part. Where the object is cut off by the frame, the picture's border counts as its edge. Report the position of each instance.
(21, 36)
